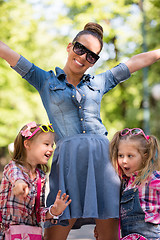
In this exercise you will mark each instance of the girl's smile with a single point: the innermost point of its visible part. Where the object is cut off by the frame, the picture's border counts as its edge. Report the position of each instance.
(40, 150)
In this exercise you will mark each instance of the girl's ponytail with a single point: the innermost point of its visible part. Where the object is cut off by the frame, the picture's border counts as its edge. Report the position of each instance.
(151, 161)
(154, 153)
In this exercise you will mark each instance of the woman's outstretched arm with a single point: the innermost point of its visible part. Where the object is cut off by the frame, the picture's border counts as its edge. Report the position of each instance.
(142, 60)
(8, 54)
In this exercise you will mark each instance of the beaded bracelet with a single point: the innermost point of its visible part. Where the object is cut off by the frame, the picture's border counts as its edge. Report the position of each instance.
(54, 217)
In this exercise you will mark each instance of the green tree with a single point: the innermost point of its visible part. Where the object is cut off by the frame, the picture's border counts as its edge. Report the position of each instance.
(19, 101)
(122, 22)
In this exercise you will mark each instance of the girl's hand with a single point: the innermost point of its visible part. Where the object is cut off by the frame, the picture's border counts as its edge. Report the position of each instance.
(20, 189)
(60, 203)
(95, 233)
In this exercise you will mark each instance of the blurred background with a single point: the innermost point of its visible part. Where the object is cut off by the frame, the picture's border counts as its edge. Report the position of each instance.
(40, 31)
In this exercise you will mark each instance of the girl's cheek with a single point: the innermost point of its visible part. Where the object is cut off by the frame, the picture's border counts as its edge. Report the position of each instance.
(119, 162)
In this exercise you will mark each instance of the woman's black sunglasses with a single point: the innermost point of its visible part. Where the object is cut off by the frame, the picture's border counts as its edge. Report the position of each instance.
(80, 49)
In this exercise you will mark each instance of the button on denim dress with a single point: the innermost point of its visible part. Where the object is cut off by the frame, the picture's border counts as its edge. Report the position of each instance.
(81, 166)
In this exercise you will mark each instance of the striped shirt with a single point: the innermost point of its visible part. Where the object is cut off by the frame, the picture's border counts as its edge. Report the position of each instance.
(13, 209)
(149, 196)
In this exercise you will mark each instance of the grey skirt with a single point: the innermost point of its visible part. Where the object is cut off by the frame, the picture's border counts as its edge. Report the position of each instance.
(81, 167)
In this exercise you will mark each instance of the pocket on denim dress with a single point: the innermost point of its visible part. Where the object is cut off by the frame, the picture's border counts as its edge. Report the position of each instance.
(92, 101)
(57, 92)
(94, 94)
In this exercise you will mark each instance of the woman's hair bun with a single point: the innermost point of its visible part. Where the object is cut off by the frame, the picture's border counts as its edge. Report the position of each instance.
(95, 28)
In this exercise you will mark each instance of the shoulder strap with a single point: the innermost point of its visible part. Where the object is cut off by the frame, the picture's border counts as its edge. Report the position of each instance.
(38, 197)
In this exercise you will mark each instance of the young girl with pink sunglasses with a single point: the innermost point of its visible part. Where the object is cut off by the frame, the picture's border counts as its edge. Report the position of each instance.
(33, 147)
(135, 157)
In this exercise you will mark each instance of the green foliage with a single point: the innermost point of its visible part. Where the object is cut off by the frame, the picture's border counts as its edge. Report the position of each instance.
(156, 3)
(19, 102)
(41, 35)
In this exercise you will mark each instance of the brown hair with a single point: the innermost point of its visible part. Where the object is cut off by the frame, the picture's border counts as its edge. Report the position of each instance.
(149, 151)
(93, 29)
(19, 153)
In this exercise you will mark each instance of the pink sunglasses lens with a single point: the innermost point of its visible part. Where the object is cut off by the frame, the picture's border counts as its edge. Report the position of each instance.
(136, 131)
(124, 132)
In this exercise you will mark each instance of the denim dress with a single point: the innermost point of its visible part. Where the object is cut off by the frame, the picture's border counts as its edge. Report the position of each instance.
(81, 166)
(133, 217)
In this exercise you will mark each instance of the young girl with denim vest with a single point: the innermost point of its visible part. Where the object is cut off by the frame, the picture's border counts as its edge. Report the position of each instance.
(72, 99)
(135, 157)
(33, 147)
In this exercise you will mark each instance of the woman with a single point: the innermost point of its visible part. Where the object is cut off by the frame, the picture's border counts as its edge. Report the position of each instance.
(81, 165)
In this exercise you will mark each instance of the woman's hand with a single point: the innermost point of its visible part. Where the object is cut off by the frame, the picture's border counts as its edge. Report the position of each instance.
(8, 54)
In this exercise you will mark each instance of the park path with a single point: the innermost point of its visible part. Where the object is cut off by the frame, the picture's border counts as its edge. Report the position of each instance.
(85, 233)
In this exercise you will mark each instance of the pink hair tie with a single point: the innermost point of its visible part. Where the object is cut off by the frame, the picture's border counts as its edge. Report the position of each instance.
(147, 137)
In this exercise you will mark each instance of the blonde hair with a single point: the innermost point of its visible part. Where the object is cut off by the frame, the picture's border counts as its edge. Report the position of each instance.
(93, 29)
(148, 149)
(19, 153)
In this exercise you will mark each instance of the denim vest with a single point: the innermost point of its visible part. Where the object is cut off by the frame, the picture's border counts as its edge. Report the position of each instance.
(133, 217)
